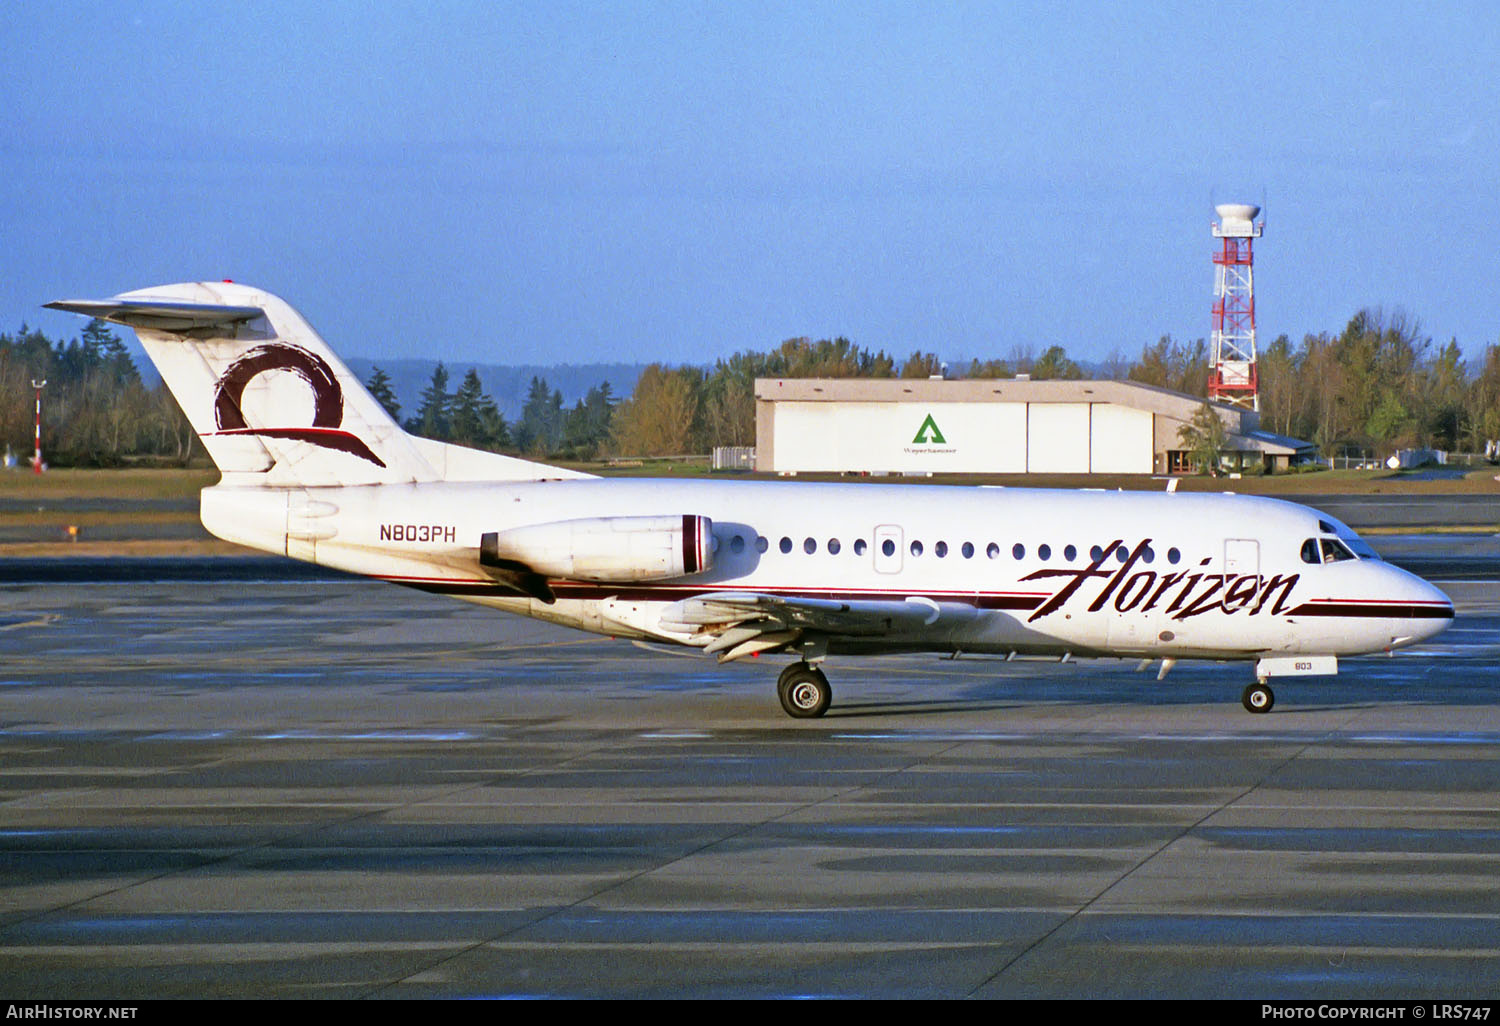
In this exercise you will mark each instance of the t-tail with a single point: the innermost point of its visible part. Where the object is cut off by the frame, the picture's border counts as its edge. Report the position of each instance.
(272, 403)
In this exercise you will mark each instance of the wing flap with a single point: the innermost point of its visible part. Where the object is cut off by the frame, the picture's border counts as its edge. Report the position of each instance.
(735, 624)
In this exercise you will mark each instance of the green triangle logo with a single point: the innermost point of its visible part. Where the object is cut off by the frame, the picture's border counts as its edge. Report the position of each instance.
(928, 433)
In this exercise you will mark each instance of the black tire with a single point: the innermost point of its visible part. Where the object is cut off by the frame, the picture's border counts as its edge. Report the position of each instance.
(804, 692)
(786, 675)
(1258, 698)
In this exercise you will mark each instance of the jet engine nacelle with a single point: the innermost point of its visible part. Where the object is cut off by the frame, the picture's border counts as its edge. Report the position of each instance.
(605, 549)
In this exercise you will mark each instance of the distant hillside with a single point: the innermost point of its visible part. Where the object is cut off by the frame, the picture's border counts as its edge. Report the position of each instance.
(507, 385)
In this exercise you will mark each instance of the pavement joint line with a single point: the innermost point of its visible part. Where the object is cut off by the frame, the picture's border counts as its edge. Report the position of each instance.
(742, 830)
(1084, 908)
(364, 813)
(301, 831)
(606, 742)
(196, 764)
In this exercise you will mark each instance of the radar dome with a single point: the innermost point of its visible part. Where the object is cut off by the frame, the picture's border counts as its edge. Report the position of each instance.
(1237, 211)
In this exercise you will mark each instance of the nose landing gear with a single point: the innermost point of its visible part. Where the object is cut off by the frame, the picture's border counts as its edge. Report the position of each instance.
(1258, 697)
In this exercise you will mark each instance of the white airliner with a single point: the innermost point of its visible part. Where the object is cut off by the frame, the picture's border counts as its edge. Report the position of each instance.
(315, 469)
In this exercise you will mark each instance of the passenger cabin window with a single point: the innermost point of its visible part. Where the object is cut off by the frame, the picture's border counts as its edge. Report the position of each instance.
(859, 546)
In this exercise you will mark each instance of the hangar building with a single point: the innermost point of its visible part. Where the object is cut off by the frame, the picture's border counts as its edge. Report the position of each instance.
(993, 426)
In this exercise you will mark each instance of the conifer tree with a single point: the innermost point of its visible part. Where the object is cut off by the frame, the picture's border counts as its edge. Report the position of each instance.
(380, 389)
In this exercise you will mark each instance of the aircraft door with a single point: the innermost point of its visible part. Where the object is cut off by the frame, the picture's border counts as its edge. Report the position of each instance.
(887, 549)
(1241, 557)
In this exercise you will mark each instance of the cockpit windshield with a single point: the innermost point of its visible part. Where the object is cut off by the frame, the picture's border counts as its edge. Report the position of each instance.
(1326, 550)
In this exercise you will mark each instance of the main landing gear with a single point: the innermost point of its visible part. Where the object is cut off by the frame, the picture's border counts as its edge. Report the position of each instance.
(804, 691)
(1258, 697)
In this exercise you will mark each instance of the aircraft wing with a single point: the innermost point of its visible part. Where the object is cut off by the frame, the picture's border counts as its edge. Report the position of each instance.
(743, 623)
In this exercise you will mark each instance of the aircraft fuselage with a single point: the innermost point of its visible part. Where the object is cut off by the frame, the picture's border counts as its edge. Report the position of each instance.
(1030, 571)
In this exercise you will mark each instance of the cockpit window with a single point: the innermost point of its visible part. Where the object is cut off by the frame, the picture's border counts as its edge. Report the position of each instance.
(1326, 527)
(1334, 551)
(1325, 551)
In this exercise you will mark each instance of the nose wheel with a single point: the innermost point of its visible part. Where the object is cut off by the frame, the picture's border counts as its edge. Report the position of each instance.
(1258, 697)
(804, 691)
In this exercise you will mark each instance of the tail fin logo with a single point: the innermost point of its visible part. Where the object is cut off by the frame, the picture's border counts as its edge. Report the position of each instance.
(326, 430)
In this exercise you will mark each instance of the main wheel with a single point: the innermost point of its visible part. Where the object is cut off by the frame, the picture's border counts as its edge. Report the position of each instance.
(1258, 697)
(804, 691)
(785, 678)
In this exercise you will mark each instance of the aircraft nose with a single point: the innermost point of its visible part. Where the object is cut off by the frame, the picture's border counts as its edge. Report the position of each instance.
(1430, 610)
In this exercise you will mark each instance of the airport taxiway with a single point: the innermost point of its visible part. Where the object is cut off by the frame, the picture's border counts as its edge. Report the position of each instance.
(275, 786)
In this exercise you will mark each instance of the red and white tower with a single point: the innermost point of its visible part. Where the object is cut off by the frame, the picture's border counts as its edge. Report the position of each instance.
(36, 460)
(1232, 377)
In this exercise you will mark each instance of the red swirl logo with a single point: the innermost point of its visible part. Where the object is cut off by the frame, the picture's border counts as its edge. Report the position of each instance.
(326, 430)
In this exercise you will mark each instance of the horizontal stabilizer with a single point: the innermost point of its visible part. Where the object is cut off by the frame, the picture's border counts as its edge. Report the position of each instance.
(160, 314)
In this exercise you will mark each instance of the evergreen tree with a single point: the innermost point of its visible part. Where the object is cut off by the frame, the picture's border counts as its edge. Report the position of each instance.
(586, 427)
(988, 369)
(540, 429)
(105, 350)
(380, 389)
(1054, 363)
(921, 365)
(476, 419)
(434, 418)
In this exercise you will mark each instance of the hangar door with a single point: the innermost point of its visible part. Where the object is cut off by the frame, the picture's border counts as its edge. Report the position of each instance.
(1121, 440)
(1057, 438)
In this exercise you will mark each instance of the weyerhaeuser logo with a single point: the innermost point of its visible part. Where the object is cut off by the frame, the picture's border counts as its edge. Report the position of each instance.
(929, 439)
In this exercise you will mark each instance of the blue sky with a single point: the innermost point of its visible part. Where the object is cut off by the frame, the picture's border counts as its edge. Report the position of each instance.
(551, 182)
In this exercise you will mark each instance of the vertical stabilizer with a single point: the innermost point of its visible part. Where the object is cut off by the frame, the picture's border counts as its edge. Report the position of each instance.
(270, 399)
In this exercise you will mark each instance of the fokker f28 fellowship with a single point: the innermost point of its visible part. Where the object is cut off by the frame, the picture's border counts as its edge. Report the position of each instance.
(315, 469)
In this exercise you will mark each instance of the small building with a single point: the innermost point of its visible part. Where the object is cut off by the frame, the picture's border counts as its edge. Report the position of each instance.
(994, 426)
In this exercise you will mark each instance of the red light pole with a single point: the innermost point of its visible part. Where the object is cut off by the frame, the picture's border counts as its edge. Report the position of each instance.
(36, 460)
